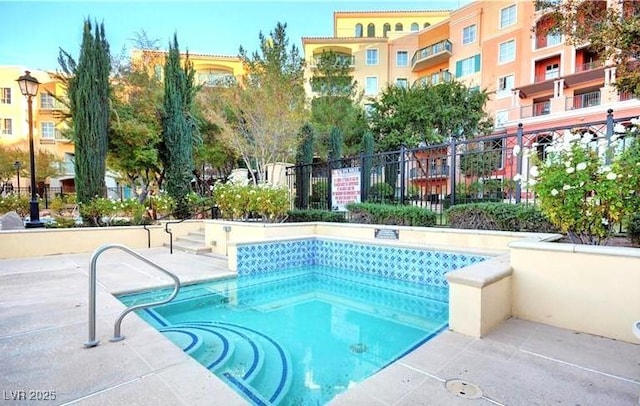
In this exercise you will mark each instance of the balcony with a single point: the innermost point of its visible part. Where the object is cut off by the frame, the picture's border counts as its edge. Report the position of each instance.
(431, 55)
(52, 105)
(441, 171)
(585, 67)
(434, 79)
(536, 109)
(581, 101)
(344, 60)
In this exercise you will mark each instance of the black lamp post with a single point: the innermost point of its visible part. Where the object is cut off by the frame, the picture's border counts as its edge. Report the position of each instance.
(17, 165)
(29, 87)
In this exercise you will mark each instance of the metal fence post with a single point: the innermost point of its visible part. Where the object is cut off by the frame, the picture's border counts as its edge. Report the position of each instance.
(609, 135)
(519, 163)
(452, 170)
(329, 168)
(403, 180)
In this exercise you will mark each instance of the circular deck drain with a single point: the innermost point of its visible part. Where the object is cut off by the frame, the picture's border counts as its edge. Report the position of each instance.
(463, 389)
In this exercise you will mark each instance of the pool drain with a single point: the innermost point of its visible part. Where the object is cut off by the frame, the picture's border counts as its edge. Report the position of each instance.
(463, 389)
(358, 348)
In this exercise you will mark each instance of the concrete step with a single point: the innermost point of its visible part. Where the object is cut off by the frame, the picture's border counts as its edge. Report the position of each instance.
(197, 234)
(186, 246)
(191, 239)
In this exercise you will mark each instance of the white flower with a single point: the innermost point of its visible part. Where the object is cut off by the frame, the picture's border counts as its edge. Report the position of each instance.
(635, 121)
(611, 176)
(571, 169)
(517, 177)
(567, 164)
(605, 221)
(532, 182)
(604, 169)
(619, 128)
(586, 137)
(582, 184)
(533, 171)
(516, 150)
(566, 187)
(554, 192)
(581, 166)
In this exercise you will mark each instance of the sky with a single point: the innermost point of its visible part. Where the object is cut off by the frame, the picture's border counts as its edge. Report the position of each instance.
(32, 32)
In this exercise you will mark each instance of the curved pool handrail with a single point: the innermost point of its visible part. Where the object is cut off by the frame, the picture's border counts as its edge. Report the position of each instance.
(92, 342)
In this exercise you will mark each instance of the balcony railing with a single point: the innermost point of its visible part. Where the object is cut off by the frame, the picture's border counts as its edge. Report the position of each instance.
(52, 105)
(624, 96)
(536, 109)
(588, 66)
(581, 101)
(547, 76)
(431, 172)
(434, 79)
(431, 50)
(349, 60)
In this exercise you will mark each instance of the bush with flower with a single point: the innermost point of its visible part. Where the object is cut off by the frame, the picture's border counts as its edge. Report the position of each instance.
(583, 192)
(242, 202)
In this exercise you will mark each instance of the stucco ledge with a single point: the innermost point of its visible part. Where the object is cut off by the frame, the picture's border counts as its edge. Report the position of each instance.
(483, 273)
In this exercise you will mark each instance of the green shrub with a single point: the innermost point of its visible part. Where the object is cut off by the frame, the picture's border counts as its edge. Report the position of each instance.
(498, 216)
(633, 229)
(381, 192)
(241, 202)
(319, 191)
(302, 216)
(372, 213)
(13, 202)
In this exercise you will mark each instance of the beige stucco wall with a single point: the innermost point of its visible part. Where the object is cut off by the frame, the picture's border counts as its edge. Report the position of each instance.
(584, 288)
(39, 242)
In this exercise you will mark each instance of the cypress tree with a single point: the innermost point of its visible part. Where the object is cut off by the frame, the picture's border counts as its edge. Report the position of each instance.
(366, 147)
(88, 91)
(335, 147)
(304, 159)
(178, 128)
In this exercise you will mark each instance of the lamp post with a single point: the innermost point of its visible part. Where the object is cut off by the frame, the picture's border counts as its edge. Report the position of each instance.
(17, 165)
(29, 88)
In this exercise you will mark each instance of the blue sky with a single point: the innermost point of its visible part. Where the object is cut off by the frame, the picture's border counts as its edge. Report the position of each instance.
(31, 32)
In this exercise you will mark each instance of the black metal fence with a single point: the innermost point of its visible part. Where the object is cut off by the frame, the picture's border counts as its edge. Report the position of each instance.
(491, 168)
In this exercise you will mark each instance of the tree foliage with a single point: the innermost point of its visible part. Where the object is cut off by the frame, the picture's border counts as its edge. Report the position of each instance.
(428, 114)
(304, 159)
(367, 147)
(135, 127)
(336, 103)
(88, 94)
(260, 118)
(611, 32)
(179, 130)
(335, 145)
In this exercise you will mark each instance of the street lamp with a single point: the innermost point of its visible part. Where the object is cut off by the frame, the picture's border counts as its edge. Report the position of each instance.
(17, 165)
(29, 87)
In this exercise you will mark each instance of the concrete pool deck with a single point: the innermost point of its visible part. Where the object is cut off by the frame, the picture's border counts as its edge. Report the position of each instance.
(43, 325)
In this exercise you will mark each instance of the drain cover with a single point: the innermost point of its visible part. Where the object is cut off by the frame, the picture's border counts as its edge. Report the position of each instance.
(463, 389)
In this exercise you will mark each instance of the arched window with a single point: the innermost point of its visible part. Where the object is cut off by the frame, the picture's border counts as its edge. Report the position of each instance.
(426, 25)
(358, 30)
(415, 27)
(385, 29)
(371, 30)
(399, 27)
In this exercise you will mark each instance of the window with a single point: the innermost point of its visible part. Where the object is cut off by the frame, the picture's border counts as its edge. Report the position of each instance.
(508, 16)
(399, 27)
(507, 51)
(372, 56)
(47, 101)
(505, 84)
(158, 72)
(402, 82)
(48, 130)
(469, 34)
(368, 110)
(402, 58)
(5, 95)
(385, 29)
(6, 128)
(553, 38)
(551, 71)
(425, 25)
(415, 27)
(371, 88)
(501, 118)
(358, 32)
(468, 66)
(371, 30)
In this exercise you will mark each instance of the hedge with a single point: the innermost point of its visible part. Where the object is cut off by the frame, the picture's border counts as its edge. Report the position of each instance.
(302, 216)
(499, 216)
(372, 213)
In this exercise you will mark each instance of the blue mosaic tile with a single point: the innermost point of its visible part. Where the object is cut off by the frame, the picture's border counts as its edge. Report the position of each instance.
(412, 265)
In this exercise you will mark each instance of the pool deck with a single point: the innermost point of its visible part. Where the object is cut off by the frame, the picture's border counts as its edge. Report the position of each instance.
(43, 325)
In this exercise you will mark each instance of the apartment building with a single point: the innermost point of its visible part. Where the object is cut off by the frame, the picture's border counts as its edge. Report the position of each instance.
(47, 126)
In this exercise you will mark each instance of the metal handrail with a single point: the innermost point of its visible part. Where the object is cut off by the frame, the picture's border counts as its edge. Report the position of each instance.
(92, 342)
(168, 231)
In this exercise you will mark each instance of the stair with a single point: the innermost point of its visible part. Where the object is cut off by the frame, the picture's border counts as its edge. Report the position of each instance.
(193, 242)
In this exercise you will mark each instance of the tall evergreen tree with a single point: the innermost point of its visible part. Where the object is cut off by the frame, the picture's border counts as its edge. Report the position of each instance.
(335, 146)
(88, 93)
(304, 159)
(179, 129)
(366, 147)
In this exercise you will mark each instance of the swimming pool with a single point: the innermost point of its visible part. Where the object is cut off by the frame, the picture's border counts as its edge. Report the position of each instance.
(303, 334)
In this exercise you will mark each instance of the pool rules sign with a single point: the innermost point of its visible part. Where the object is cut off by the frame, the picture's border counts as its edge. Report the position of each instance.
(345, 187)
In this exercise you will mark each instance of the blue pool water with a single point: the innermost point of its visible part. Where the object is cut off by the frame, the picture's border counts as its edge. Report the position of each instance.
(302, 335)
